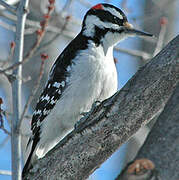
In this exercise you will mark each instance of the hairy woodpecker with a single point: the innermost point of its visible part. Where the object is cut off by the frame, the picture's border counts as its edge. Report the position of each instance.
(83, 73)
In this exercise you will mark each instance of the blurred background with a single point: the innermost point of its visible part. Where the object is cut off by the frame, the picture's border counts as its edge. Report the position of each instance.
(159, 17)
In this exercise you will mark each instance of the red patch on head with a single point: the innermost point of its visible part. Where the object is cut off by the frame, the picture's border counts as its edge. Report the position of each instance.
(98, 6)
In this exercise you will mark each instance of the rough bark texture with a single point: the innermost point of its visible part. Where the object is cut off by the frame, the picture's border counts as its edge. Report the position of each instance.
(114, 121)
(162, 144)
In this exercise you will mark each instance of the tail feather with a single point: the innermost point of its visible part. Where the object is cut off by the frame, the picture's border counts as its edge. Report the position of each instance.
(28, 164)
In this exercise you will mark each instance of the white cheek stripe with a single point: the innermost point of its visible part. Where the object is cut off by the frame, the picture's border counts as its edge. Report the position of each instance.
(89, 31)
(114, 12)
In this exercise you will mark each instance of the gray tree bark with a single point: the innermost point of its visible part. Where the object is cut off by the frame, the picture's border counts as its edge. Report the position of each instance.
(114, 121)
(161, 145)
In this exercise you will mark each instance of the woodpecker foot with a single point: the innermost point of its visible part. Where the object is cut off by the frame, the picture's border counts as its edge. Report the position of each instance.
(86, 114)
(139, 165)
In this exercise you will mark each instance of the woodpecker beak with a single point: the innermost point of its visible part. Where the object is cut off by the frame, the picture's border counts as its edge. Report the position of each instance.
(130, 30)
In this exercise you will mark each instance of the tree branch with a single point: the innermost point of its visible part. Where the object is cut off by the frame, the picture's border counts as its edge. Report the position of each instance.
(5, 172)
(133, 52)
(114, 121)
(16, 90)
(8, 7)
(161, 145)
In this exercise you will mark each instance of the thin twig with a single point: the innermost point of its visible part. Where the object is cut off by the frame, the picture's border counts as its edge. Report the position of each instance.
(5, 113)
(161, 35)
(34, 25)
(5, 172)
(2, 126)
(40, 35)
(12, 46)
(2, 120)
(55, 37)
(136, 53)
(3, 143)
(8, 7)
(85, 3)
(31, 97)
(67, 5)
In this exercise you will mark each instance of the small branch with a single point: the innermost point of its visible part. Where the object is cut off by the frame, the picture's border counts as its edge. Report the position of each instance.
(136, 53)
(4, 142)
(85, 3)
(67, 5)
(8, 7)
(40, 35)
(2, 120)
(2, 126)
(12, 46)
(55, 37)
(7, 26)
(34, 25)
(163, 23)
(5, 172)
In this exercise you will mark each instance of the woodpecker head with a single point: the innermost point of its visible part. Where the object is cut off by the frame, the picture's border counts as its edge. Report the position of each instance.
(105, 22)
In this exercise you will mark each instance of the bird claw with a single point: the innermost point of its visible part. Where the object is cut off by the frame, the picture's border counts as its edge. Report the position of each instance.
(86, 114)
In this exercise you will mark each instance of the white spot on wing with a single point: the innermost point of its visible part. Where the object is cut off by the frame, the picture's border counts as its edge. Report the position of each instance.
(56, 84)
(68, 68)
(59, 91)
(45, 112)
(63, 83)
(53, 101)
(67, 79)
(37, 112)
(45, 98)
(38, 123)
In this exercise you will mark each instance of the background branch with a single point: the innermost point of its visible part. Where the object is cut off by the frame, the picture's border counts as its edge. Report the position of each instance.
(5, 172)
(16, 90)
(114, 121)
(8, 7)
(161, 145)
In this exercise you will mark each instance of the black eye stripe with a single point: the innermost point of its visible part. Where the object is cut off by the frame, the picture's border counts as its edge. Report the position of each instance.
(106, 16)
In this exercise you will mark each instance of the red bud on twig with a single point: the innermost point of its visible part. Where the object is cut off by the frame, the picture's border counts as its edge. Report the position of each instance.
(46, 16)
(51, 1)
(163, 21)
(50, 8)
(44, 56)
(12, 44)
(1, 101)
(39, 32)
(68, 18)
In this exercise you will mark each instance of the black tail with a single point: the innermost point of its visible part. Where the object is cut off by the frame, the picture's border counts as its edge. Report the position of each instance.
(28, 164)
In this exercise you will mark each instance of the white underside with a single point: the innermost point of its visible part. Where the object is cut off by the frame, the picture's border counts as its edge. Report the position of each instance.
(93, 77)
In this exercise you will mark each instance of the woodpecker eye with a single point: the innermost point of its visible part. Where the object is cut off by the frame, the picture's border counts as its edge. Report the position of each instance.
(118, 21)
